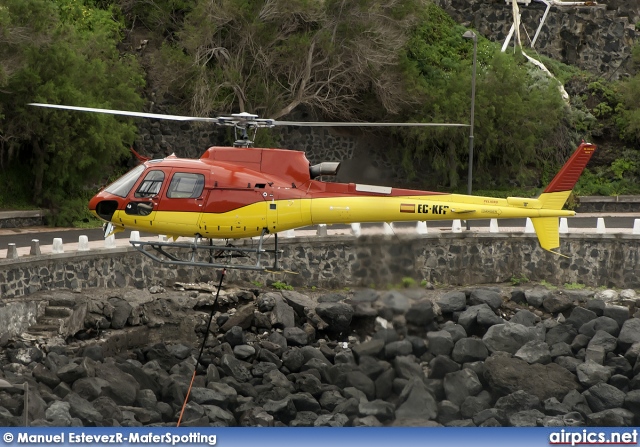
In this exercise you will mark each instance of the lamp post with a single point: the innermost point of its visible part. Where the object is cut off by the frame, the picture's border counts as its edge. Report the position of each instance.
(471, 35)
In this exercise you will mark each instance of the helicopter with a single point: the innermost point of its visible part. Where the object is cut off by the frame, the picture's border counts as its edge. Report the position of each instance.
(242, 192)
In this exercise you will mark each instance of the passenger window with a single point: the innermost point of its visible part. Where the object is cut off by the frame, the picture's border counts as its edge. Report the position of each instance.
(151, 184)
(185, 186)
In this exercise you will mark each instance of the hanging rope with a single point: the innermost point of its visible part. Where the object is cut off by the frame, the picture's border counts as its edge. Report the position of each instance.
(204, 341)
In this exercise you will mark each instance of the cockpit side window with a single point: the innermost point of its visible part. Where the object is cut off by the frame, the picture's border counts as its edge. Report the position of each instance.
(123, 185)
(186, 185)
(151, 184)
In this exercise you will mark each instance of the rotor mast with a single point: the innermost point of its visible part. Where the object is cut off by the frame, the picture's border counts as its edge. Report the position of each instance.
(243, 124)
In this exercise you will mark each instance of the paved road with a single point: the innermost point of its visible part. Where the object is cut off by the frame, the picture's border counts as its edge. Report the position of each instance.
(22, 236)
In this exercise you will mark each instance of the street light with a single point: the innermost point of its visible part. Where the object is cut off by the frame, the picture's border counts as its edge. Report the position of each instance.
(471, 35)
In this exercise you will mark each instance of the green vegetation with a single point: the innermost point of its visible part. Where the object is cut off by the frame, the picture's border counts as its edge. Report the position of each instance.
(62, 51)
(404, 283)
(519, 113)
(279, 285)
(516, 280)
(574, 286)
(548, 285)
(367, 60)
(408, 282)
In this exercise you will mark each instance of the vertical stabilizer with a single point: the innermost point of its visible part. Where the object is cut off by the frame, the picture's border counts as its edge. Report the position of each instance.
(547, 231)
(558, 191)
(556, 194)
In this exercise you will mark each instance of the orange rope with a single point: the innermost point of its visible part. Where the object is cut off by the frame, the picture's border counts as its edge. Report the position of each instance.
(193, 377)
(204, 341)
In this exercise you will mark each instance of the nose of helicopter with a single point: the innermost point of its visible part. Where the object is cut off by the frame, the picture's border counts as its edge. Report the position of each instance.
(104, 205)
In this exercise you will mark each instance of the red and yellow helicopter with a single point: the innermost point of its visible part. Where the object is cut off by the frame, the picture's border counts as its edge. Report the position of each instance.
(242, 192)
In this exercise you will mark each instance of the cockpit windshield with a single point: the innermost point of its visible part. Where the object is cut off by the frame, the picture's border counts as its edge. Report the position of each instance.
(123, 185)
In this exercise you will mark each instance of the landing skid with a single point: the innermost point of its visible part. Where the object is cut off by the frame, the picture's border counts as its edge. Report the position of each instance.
(209, 255)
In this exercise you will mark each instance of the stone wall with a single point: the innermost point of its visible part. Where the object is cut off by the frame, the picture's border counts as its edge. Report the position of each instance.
(19, 219)
(595, 38)
(343, 261)
(613, 204)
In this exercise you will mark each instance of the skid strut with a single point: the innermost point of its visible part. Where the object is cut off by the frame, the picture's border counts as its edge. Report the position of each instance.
(211, 255)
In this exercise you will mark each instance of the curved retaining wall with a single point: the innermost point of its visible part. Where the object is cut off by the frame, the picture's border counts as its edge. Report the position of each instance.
(344, 261)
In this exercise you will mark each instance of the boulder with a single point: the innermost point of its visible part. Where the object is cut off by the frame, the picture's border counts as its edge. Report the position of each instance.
(508, 337)
(506, 375)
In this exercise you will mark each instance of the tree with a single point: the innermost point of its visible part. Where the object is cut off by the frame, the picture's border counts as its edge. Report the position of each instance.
(519, 113)
(336, 57)
(78, 65)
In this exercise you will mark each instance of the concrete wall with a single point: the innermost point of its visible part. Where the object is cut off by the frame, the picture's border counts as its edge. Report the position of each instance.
(344, 261)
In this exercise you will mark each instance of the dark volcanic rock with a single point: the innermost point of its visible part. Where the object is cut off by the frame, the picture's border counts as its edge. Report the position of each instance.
(122, 387)
(452, 302)
(629, 334)
(484, 296)
(580, 316)
(469, 350)
(557, 303)
(508, 337)
(615, 417)
(603, 396)
(534, 352)
(83, 410)
(428, 360)
(420, 313)
(506, 375)
(600, 324)
(459, 385)
(416, 402)
(336, 315)
(590, 373)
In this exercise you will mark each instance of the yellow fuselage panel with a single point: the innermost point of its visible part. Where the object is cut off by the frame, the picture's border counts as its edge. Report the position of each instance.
(242, 222)
(420, 208)
(281, 215)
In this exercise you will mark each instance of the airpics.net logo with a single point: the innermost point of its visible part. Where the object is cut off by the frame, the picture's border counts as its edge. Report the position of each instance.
(587, 437)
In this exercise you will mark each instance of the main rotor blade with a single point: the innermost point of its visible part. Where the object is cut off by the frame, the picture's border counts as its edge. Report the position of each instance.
(126, 113)
(356, 124)
(241, 120)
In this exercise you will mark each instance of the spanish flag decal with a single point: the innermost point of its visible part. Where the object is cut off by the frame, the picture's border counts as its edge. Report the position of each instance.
(407, 208)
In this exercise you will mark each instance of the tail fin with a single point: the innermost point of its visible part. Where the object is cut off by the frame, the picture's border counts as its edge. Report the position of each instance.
(547, 232)
(556, 194)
